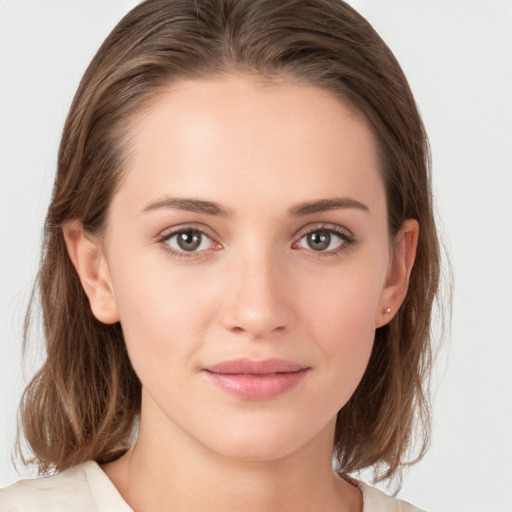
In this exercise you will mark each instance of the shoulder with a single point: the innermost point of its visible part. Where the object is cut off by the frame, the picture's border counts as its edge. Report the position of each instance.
(375, 500)
(83, 488)
(68, 490)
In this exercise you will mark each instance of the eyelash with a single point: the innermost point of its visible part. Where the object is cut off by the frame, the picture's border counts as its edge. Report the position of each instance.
(164, 238)
(347, 237)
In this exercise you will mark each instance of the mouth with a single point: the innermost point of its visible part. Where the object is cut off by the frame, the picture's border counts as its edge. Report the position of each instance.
(256, 380)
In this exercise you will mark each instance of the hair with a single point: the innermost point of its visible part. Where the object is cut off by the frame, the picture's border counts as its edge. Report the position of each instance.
(84, 401)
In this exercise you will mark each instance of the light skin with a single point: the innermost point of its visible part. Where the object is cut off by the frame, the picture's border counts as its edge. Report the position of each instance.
(277, 192)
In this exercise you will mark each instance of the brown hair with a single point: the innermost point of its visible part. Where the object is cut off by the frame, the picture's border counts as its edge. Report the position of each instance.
(84, 401)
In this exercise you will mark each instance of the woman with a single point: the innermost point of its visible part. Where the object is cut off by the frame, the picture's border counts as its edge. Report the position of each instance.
(239, 267)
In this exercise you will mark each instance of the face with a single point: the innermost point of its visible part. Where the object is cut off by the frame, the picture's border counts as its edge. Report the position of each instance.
(247, 257)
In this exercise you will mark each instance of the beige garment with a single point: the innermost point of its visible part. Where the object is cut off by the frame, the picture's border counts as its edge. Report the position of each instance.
(86, 488)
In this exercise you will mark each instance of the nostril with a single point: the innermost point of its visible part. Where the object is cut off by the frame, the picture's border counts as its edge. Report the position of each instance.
(257, 331)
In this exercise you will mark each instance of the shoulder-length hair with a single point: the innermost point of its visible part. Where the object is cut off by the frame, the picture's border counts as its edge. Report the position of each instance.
(84, 401)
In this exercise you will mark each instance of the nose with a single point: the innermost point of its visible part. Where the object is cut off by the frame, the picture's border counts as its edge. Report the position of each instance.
(259, 297)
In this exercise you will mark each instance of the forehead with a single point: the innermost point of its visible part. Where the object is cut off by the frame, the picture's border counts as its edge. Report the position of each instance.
(236, 137)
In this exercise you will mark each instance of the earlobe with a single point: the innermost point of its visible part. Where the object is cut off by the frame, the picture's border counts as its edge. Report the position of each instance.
(399, 272)
(89, 261)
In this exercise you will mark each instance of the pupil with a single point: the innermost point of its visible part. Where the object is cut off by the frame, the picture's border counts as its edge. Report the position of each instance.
(319, 240)
(189, 241)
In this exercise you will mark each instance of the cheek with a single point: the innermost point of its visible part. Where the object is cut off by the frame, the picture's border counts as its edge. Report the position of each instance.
(344, 300)
(340, 315)
(163, 314)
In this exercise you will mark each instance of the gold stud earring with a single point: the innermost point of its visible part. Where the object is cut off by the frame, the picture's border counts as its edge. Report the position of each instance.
(386, 311)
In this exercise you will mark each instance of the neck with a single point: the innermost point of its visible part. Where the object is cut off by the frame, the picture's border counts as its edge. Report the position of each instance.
(176, 473)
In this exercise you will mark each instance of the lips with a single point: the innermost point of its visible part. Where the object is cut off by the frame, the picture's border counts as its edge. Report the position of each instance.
(256, 380)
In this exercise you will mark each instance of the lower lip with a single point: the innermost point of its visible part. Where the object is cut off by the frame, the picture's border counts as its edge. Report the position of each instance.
(257, 387)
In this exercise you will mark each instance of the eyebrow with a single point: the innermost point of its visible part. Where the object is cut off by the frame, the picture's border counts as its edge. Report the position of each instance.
(190, 205)
(324, 205)
(212, 208)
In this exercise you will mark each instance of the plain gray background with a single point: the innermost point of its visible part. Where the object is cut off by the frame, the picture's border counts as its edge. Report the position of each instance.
(457, 55)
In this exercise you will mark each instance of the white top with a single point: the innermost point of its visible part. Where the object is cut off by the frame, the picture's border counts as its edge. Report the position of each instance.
(86, 488)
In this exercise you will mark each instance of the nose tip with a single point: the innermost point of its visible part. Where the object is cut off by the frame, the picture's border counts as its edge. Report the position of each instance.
(255, 317)
(258, 303)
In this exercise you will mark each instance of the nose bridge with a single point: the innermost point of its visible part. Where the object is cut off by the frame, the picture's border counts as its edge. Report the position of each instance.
(257, 298)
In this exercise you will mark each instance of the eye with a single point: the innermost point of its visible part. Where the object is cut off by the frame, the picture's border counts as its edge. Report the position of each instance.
(325, 240)
(189, 240)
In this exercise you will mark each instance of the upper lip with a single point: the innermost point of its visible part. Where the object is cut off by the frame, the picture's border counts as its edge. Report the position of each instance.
(249, 367)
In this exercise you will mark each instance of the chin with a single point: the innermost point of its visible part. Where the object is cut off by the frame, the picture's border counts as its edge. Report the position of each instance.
(266, 442)
(263, 451)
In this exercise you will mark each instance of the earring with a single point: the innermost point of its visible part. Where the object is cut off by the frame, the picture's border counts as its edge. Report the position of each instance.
(386, 311)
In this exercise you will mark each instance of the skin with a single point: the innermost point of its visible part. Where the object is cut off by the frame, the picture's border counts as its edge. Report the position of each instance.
(255, 288)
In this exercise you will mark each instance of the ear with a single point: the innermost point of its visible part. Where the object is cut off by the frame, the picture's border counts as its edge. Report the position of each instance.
(91, 266)
(399, 271)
